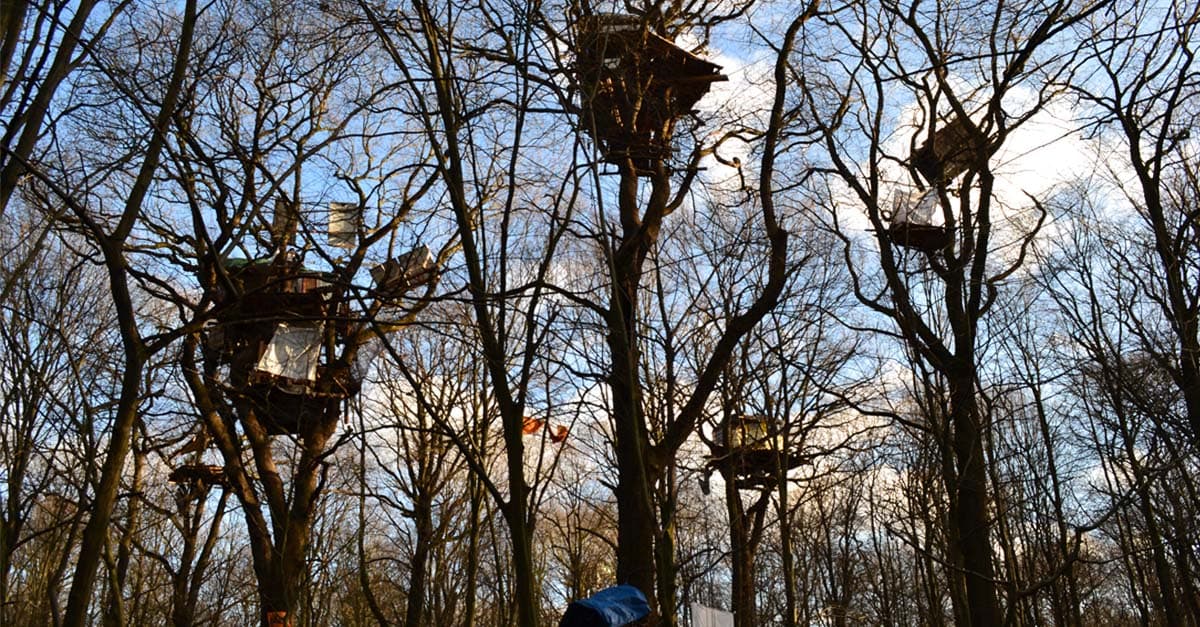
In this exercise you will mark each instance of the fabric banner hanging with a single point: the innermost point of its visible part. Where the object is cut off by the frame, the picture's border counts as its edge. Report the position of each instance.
(914, 208)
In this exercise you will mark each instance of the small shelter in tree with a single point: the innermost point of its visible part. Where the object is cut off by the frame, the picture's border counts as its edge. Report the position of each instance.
(911, 223)
(288, 332)
(395, 276)
(753, 451)
(636, 85)
(951, 150)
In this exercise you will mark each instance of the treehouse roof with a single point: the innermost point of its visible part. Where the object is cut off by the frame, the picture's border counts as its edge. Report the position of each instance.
(613, 37)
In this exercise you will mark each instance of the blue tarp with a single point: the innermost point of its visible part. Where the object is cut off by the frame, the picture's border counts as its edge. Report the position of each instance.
(611, 607)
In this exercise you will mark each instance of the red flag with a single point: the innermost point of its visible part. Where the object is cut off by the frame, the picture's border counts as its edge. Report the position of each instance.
(531, 425)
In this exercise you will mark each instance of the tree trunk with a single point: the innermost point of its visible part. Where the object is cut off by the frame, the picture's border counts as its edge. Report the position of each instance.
(115, 614)
(969, 513)
(637, 524)
(741, 559)
(472, 567)
(664, 549)
(745, 533)
(364, 575)
(95, 533)
(423, 518)
(788, 567)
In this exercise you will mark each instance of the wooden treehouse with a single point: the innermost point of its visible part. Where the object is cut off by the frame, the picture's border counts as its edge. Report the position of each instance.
(287, 334)
(951, 150)
(635, 86)
(206, 475)
(276, 324)
(912, 226)
(752, 451)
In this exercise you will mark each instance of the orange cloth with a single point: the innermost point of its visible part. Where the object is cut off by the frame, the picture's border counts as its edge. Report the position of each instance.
(532, 425)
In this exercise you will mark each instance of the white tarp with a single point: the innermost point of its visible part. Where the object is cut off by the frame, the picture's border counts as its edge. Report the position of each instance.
(293, 353)
(918, 208)
(366, 356)
(343, 224)
(710, 617)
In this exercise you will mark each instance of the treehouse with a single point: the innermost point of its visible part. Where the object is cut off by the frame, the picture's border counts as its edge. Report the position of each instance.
(262, 292)
(752, 450)
(949, 152)
(290, 379)
(911, 223)
(287, 333)
(198, 474)
(635, 85)
(273, 322)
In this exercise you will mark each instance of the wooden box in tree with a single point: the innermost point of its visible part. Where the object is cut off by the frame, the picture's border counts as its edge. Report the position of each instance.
(949, 152)
(752, 448)
(412, 269)
(747, 433)
(635, 84)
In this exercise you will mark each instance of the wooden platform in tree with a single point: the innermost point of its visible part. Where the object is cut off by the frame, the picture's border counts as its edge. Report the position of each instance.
(950, 152)
(924, 237)
(755, 467)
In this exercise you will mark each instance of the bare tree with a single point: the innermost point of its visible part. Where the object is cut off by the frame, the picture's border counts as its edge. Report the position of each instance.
(55, 338)
(109, 234)
(628, 244)
(1145, 96)
(938, 280)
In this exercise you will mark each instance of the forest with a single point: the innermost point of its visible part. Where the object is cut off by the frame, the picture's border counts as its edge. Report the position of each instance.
(382, 312)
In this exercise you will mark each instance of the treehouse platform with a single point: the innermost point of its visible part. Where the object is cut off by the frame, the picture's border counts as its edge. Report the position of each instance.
(752, 451)
(203, 474)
